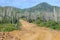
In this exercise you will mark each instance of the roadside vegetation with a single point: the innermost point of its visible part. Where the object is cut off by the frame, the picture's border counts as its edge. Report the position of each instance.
(7, 25)
(49, 24)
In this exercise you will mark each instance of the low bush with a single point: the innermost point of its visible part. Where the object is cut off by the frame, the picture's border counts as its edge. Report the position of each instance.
(8, 27)
(50, 24)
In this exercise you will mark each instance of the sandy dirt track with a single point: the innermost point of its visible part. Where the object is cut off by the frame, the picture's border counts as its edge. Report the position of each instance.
(30, 31)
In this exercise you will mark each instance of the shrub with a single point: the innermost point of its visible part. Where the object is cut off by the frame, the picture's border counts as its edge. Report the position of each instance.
(50, 24)
(30, 20)
(8, 27)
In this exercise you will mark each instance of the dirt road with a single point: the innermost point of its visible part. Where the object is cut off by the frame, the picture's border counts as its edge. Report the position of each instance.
(39, 33)
(30, 31)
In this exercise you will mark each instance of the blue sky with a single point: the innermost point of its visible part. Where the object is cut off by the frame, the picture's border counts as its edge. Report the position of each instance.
(27, 3)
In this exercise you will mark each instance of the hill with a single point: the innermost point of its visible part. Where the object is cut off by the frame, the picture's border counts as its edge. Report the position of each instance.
(43, 10)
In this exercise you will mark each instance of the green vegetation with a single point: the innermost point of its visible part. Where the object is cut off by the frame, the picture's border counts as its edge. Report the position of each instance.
(8, 27)
(50, 24)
